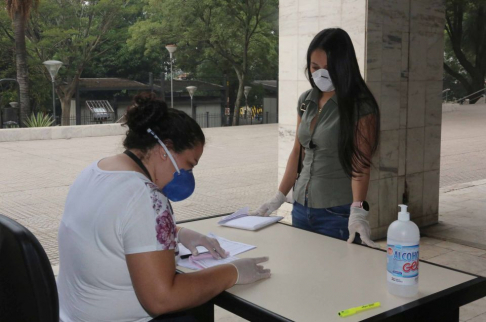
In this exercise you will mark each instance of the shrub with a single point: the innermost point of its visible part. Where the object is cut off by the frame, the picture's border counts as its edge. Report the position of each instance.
(39, 120)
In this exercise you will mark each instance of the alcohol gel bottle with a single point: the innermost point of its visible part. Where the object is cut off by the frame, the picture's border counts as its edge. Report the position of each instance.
(402, 258)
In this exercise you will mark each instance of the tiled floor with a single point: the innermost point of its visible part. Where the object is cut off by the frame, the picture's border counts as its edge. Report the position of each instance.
(35, 176)
(462, 210)
(463, 145)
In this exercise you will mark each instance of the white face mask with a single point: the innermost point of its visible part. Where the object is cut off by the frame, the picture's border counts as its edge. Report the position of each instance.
(323, 80)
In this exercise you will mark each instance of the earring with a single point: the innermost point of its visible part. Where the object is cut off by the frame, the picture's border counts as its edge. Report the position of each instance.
(165, 155)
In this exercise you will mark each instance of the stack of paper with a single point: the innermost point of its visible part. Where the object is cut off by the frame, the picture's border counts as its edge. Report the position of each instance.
(242, 220)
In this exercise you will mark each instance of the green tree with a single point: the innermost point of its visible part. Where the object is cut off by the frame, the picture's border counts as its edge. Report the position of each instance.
(38, 97)
(465, 54)
(118, 60)
(229, 33)
(76, 32)
(19, 11)
(7, 46)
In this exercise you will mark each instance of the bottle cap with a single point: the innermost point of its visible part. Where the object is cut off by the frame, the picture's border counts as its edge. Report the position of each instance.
(403, 215)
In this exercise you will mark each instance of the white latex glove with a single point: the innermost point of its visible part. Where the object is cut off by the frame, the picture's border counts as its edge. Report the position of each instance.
(270, 206)
(191, 239)
(249, 271)
(358, 223)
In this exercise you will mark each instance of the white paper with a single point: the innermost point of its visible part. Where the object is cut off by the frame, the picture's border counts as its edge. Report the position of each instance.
(252, 222)
(237, 214)
(210, 262)
(187, 264)
(233, 247)
(184, 251)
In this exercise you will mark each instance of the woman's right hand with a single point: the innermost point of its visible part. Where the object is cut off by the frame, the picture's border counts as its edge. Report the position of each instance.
(270, 206)
(249, 271)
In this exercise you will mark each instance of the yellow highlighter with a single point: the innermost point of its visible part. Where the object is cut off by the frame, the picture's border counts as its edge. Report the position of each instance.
(355, 310)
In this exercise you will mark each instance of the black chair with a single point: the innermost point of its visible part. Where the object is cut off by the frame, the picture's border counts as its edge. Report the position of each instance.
(28, 290)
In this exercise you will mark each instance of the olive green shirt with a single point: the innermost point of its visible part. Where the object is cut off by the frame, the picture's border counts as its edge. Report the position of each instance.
(322, 177)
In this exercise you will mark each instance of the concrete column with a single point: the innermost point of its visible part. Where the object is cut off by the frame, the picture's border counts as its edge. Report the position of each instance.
(399, 46)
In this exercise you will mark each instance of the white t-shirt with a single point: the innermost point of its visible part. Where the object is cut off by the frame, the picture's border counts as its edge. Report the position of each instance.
(108, 214)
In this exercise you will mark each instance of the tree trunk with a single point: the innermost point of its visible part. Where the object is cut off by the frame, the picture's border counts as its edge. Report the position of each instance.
(65, 97)
(476, 85)
(66, 109)
(66, 93)
(19, 24)
(241, 88)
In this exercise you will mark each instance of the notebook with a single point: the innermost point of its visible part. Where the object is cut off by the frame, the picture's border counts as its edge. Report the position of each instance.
(242, 220)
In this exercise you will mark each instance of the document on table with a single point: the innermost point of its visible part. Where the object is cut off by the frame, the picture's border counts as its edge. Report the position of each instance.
(184, 251)
(234, 248)
(210, 262)
(242, 220)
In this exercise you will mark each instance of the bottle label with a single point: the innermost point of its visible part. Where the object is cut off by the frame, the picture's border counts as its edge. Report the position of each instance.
(402, 264)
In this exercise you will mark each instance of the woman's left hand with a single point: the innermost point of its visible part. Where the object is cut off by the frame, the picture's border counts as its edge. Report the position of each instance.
(191, 239)
(358, 223)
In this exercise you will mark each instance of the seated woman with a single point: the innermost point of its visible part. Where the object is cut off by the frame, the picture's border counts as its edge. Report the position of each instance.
(118, 237)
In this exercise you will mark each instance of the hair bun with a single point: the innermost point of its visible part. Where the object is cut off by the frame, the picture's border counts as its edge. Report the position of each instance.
(144, 98)
(146, 110)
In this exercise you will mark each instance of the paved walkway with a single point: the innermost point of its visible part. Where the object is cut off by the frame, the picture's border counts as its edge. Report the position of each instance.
(238, 169)
(463, 145)
(462, 200)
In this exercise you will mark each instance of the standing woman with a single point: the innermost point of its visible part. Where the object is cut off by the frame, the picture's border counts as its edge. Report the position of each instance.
(338, 129)
(118, 237)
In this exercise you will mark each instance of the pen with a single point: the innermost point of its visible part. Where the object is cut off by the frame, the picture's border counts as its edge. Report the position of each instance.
(355, 310)
(200, 256)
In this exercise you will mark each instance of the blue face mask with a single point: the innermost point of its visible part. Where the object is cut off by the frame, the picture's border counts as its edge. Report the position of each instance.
(183, 183)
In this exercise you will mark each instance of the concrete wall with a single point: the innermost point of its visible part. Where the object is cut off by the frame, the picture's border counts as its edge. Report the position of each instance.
(214, 110)
(60, 132)
(270, 106)
(399, 46)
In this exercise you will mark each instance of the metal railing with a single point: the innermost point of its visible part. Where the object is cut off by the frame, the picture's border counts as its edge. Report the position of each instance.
(445, 93)
(206, 120)
(87, 119)
(209, 120)
(461, 100)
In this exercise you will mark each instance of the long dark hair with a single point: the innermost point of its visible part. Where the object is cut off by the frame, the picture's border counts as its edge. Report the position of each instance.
(175, 128)
(352, 94)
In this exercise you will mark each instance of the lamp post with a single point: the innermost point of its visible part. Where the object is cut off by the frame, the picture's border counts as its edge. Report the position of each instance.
(53, 67)
(192, 90)
(246, 92)
(171, 49)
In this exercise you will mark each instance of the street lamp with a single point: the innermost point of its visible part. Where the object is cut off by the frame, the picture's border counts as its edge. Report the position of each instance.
(171, 49)
(192, 90)
(53, 67)
(246, 92)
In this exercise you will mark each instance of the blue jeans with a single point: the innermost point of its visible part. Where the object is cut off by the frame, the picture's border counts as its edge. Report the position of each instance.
(332, 222)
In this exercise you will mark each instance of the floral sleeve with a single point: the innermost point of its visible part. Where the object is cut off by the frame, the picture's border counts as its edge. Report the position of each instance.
(164, 224)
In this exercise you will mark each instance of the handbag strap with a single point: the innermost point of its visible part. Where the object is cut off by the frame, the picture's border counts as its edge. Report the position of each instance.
(303, 108)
